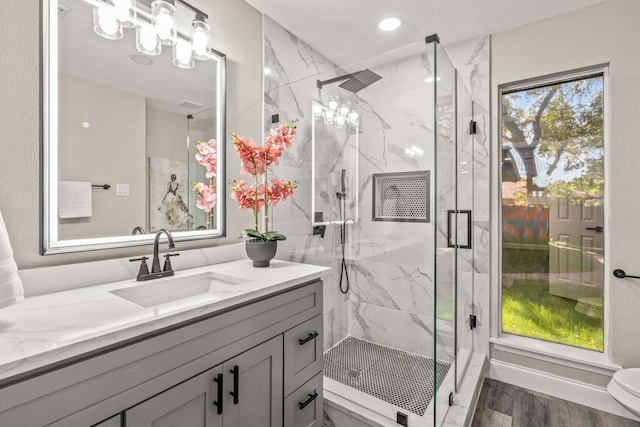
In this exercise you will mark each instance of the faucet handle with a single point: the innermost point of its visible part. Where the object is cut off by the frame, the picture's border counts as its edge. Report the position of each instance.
(144, 269)
(167, 262)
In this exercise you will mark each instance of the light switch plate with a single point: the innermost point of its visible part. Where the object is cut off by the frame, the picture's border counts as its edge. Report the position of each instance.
(122, 190)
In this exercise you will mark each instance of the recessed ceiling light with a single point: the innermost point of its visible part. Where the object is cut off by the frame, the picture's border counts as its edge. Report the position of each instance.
(390, 24)
(267, 71)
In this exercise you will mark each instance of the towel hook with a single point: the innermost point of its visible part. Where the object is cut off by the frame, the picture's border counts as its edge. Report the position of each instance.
(620, 274)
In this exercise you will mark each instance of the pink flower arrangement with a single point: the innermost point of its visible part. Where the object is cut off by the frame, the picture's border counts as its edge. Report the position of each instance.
(206, 155)
(255, 162)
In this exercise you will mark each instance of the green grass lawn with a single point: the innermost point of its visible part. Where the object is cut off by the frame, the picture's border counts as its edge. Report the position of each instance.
(529, 310)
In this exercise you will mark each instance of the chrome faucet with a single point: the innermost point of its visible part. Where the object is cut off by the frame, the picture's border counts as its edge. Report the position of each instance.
(167, 270)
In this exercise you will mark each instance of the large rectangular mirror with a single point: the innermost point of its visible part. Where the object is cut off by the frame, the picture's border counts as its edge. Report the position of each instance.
(127, 97)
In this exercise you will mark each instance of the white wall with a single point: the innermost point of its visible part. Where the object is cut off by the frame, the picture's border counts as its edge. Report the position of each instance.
(236, 31)
(117, 125)
(605, 33)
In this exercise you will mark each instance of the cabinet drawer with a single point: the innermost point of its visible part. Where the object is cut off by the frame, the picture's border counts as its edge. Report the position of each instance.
(302, 353)
(303, 408)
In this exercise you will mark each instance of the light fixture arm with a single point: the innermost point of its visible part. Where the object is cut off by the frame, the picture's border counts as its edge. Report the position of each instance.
(320, 83)
(192, 8)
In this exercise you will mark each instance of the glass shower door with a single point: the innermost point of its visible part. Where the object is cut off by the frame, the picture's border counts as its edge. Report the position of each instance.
(453, 187)
(445, 231)
(465, 132)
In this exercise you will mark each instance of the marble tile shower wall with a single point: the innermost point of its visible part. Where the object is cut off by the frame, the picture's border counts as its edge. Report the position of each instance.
(390, 264)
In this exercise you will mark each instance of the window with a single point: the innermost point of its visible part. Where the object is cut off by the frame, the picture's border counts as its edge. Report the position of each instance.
(552, 138)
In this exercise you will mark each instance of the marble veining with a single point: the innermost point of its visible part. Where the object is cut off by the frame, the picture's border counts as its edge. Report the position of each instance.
(50, 328)
(391, 265)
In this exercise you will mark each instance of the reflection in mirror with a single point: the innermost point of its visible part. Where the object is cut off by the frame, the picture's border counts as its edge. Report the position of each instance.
(122, 126)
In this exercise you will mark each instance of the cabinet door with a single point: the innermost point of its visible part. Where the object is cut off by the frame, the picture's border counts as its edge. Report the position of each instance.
(257, 387)
(189, 404)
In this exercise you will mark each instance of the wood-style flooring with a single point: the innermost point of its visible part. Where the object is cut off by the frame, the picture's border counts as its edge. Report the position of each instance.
(505, 405)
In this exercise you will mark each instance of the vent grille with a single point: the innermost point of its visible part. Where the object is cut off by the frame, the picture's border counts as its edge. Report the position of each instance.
(395, 376)
(402, 196)
(189, 104)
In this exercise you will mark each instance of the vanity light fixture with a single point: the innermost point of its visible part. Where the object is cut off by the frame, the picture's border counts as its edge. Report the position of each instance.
(182, 55)
(105, 21)
(125, 11)
(200, 37)
(335, 113)
(155, 26)
(147, 40)
(165, 21)
(390, 24)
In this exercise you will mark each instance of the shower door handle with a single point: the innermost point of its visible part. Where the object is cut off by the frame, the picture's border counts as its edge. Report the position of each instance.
(452, 213)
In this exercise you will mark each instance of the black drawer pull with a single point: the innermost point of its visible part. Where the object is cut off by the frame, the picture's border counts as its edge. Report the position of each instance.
(310, 399)
(303, 341)
(236, 375)
(218, 403)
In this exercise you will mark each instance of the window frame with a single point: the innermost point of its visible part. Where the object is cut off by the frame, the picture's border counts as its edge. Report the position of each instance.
(535, 345)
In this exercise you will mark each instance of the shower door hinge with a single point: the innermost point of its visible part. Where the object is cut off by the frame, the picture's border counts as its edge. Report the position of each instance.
(473, 127)
(473, 321)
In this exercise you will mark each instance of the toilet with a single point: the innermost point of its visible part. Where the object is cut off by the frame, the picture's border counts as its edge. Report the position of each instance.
(625, 388)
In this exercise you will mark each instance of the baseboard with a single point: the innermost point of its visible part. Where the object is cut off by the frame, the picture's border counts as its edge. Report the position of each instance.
(562, 388)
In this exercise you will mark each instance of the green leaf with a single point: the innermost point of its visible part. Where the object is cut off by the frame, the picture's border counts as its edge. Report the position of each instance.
(255, 234)
(274, 235)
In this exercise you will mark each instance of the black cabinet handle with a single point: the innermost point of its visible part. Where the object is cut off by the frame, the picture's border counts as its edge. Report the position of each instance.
(597, 228)
(310, 399)
(309, 337)
(236, 375)
(218, 403)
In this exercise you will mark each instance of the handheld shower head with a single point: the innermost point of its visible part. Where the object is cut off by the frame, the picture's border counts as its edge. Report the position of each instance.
(343, 193)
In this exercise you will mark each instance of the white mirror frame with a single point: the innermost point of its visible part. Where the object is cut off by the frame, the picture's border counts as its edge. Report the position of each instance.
(50, 243)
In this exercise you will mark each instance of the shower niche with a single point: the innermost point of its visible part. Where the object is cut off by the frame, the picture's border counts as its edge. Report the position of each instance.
(401, 196)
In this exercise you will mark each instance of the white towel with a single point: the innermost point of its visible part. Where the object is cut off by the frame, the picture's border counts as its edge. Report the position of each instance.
(11, 291)
(74, 199)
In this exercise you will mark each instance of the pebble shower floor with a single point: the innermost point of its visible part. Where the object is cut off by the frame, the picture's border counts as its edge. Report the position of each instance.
(395, 376)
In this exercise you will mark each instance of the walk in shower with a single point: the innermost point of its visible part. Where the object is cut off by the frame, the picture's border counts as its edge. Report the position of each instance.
(386, 199)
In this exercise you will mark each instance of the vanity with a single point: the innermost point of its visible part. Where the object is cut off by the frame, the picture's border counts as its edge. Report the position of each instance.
(221, 345)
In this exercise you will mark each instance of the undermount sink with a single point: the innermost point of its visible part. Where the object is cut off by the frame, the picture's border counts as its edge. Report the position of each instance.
(169, 289)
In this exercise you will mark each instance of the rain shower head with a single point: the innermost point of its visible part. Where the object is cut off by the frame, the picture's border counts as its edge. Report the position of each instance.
(354, 81)
(360, 80)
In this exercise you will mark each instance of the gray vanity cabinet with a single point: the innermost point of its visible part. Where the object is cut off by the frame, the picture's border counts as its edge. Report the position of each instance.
(166, 378)
(209, 399)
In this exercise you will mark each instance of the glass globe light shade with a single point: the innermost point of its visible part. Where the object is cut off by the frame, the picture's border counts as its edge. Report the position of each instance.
(105, 22)
(182, 57)
(166, 22)
(147, 40)
(200, 38)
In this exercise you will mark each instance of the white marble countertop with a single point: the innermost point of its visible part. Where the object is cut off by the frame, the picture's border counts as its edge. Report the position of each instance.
(51, 328)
